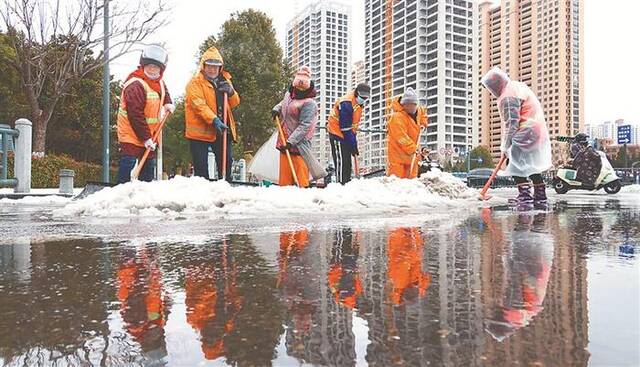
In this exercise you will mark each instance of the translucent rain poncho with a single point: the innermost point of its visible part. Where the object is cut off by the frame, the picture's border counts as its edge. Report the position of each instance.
(524, 131)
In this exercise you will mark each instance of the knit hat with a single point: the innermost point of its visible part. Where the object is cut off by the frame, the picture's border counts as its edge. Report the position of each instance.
(302, 79)
(409, 96)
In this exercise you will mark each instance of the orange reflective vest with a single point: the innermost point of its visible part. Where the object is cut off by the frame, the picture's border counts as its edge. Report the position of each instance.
(152, 109)
(333, 123)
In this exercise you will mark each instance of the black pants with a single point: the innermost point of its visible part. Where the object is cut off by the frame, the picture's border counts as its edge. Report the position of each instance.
(200, 152)
(341, 152)
(536, 179)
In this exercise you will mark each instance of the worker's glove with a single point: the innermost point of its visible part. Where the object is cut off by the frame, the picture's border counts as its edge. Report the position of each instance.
(355, 152)
(169, 108)
(275, 113)
(149, 144)
(288, 146)
(224, 86)
(219, 124)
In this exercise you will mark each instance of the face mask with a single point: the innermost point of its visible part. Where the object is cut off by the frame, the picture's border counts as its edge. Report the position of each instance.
(153, 76)
(411, 109)
(361, 101)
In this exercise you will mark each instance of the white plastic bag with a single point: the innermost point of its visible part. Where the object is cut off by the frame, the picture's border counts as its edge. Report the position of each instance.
(266, 163)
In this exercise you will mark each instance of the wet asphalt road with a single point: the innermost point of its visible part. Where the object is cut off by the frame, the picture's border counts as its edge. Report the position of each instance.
(484, 287)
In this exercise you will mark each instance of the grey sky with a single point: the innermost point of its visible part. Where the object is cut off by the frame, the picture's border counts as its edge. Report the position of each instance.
(611, 64)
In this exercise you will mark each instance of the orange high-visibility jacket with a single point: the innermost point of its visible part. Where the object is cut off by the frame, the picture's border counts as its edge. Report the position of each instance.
(201, 105)
(403, 133)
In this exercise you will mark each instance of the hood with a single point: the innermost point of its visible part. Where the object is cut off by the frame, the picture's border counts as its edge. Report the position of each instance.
(213, 54)
(396, 106)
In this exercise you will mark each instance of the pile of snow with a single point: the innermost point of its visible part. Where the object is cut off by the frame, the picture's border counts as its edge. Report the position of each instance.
(182, 197)
(631, 189)
(447, 185)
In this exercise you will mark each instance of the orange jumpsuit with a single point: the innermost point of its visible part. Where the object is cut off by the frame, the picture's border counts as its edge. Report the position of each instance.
(402, 140)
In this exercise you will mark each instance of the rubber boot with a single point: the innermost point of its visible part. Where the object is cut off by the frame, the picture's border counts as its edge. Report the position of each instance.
(524, 201)
(540, 197)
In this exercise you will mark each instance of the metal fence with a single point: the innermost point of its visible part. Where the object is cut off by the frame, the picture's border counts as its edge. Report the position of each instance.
(7, 135)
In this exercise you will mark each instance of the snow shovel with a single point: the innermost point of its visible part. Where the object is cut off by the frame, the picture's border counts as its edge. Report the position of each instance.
(155, 137)
(284, 142)
(483, 193)
(92, 187)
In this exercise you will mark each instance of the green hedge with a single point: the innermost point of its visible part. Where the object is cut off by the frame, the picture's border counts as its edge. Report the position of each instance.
(45, 171)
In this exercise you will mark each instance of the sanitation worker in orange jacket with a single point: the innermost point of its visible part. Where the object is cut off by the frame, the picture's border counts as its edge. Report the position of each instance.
(403, 135)
(144, 96)
(204, 114)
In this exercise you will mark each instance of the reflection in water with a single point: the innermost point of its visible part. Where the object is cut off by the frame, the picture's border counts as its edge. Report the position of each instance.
(144, 305)
(212, 299)
(521, 289)
(407, 280)
(498, 289)
(53, 304)
(344, 278)
(318, 329)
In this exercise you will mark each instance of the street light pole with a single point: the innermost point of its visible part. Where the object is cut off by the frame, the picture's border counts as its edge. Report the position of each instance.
(105, 97)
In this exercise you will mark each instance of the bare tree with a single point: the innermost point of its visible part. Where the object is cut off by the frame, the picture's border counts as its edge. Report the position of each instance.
(53, 43)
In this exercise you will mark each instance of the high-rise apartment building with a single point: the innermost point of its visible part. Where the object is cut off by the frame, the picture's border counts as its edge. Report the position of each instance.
(540, 44)
(430, 46)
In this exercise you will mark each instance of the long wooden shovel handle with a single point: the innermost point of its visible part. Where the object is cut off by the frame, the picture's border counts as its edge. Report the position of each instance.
(415, 154)
(283, 141)
(483, 193)
(154, 137)
(224, 136)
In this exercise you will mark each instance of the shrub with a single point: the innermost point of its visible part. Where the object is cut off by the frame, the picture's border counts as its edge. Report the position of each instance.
(45, 171)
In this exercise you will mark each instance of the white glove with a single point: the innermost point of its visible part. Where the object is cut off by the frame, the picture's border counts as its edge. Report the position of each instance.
(149, 144)
(169, 108)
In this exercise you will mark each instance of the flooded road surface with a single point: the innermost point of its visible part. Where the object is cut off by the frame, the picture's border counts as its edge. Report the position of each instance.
(489, 288)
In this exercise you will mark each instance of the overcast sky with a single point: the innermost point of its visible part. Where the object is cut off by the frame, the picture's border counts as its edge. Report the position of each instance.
(612, 63)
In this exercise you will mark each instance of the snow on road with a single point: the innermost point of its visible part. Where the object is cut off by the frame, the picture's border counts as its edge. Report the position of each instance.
(181, 197)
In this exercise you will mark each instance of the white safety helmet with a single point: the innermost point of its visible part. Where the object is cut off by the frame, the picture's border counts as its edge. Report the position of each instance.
(495, 80)
(154, 54)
